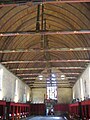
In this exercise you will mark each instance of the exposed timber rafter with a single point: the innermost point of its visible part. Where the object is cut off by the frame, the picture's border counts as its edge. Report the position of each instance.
(44, 81)
(52, 84)
(46, 32)
(33, 80)
(47, 73)
(61, 85)
(58, 82)
(67, 68)
(43, 50)
(30, 78)
(46, 86)
(33, 2)
(61, 1)
(44, 61)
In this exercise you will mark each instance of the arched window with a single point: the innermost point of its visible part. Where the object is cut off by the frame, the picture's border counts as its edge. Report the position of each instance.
(16, 91)
(52, 87)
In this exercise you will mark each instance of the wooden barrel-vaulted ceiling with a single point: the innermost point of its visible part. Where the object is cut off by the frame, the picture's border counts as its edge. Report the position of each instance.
(40, 37)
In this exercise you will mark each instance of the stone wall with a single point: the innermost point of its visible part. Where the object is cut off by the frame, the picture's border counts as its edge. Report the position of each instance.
(38, 95)
(64, 95)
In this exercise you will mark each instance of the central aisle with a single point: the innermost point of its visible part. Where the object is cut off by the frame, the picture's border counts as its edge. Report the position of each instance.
(47, 118)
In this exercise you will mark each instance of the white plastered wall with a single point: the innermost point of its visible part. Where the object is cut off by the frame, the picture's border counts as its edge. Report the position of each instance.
(81, 88)
(8, 86)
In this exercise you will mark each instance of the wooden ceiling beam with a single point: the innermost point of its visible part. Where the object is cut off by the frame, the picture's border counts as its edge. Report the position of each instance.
(33, 80)
(30, 78)
(44, 86)
(33, 2)
(51, 83)
(47, 73)
(38, 87)
(44, 61)
(44, 81)
(44, 32)
(43, 50)
(66, 82)
(56, 68)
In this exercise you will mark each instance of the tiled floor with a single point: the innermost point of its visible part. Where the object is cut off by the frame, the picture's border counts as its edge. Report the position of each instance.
(47, 118)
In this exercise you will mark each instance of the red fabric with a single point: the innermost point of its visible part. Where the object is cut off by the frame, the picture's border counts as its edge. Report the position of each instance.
(61, 107)
(38, 109)
(85, 109)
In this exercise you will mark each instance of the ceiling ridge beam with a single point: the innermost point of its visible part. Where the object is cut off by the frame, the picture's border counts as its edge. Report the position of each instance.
(33, 2)
(44, 61)
(43, 50)
(44, 32)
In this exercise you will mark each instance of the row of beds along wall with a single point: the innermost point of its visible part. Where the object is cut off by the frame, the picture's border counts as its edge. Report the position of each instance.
(16, 111)
(80, 110)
